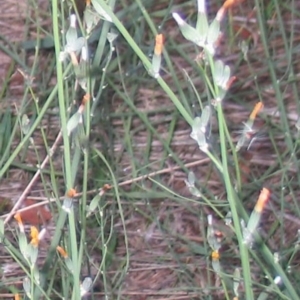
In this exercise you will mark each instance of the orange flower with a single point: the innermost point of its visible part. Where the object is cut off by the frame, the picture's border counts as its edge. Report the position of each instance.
(257, 108)
(71, 193)
(262, 200)
(17, 297)
(18, 218)
(159, 44)
(34, 234)
(215, 255)
(228, 3)
(106, 187)
(86, 98)
(62, 251)
(20, 222)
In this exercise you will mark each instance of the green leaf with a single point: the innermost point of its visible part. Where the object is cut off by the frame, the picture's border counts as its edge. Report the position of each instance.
(91, 18)
(27, 287)
(156, 63)
(236, 281)
(191, 178)
(202, 26)
(93, 205)
(189, 32)
(218, 72)
(101, 11)
(75, 45)
(213, 32)
(73, 122)
(86, 286)
(23, 244)
(198, 135)
(25, 124)
(32, 254)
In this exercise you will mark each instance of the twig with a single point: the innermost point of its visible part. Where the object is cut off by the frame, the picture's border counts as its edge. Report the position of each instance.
(33, 180)
(78, 195)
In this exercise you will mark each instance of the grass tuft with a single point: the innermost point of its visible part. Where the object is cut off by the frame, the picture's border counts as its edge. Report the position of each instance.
(149, 150)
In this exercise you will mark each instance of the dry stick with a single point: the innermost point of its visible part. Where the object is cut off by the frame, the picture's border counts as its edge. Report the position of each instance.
(101, 190)
(35, 177)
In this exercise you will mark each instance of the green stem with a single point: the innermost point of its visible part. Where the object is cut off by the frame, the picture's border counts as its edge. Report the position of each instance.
(231, 196)
(70, 172)
(146, 61)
